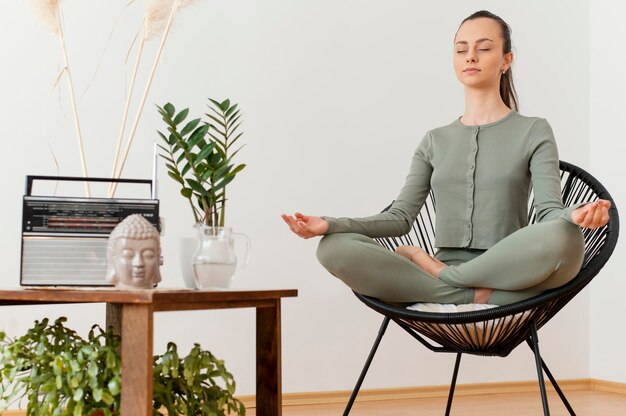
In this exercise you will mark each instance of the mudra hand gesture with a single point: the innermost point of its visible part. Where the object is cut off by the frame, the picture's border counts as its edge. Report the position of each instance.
(306, 226)
(593, 215)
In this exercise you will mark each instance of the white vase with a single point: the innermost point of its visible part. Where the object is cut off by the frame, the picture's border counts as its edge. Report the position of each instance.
(186, 249)
(214, 261)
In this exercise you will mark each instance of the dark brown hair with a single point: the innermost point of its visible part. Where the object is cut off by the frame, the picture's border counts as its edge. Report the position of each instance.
(507, 89)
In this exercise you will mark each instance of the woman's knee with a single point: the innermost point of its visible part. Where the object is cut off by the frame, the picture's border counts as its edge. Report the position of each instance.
(564, 239)
(332, 251)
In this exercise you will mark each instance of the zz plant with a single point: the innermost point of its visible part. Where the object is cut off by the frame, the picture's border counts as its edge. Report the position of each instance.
(198, 155)
(58, 373)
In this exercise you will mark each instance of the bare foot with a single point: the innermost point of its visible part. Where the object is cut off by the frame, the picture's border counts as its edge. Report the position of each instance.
(482, 294)
(422, 259)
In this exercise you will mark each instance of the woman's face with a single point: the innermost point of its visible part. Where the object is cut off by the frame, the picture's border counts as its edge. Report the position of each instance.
(478, 54)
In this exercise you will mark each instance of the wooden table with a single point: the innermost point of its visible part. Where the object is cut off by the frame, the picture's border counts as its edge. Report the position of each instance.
(131, 315)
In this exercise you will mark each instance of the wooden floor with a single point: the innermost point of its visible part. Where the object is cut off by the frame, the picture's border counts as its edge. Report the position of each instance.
(584, 402)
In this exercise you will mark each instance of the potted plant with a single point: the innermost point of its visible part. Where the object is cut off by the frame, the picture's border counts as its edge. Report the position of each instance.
(59, 373)
(199, 157)
(189, 385)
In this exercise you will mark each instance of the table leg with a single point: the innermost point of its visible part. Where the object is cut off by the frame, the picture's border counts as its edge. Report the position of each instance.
(137, 337)
(114, 317)
(268, 361)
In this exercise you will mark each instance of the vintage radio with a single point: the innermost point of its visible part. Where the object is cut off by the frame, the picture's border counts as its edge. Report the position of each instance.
(64, 239)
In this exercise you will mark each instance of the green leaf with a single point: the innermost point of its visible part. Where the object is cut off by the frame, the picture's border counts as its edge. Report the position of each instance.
(215, 103)
(176, 177)
(224, 105)
(92, 369)
(107, 398)
(217, 120)
(232, 131)
(173, 142)
(214, 159)
(167, 158)
(207, 174)
(181, 116)
(197, 187)
(205, 152)
(230, 110)
(222, 171)
(228, 179)
(169, 109)
(78, 410)
(238, 169)
(111, 360)
(97, 394)
(198, 135)
(237, 151)
(189, 127)
(114, 386)
(163, 113)
(162, 136)
(235, 139)
(78, 395)
(185, 169)
(186, 192)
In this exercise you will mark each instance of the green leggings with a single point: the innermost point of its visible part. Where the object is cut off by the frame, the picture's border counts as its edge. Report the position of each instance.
(531, 260)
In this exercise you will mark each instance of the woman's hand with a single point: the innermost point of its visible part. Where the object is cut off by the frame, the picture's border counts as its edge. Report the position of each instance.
(593, 215)
(306, 226)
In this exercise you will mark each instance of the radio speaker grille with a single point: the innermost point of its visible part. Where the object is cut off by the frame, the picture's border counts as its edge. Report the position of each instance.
(64, 261)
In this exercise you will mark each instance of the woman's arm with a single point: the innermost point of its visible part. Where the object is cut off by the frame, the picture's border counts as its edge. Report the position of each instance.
(396, 221)
(544, 170)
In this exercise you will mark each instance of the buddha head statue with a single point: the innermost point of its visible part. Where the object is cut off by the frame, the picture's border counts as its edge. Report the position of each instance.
(134, 254)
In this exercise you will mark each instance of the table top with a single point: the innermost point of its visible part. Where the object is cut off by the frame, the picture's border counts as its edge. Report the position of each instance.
(160, 298)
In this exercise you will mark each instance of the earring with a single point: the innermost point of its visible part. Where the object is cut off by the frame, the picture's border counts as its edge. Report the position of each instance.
(503, 71)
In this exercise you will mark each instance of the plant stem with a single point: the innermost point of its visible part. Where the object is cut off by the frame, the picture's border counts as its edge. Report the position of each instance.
(146, 90)
(193, 209)
(223, 209)
(73, 101)
(126, 107)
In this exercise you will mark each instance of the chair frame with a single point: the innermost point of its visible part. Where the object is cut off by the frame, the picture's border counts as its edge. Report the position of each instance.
(501, 335)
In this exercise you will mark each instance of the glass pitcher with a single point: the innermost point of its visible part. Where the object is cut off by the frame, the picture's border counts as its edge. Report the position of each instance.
(214, 261)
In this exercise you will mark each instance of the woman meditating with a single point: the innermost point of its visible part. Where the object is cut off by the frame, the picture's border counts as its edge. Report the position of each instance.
(480, 168)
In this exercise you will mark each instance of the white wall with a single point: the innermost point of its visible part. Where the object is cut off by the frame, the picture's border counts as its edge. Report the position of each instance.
(608, 341)
(335, 97)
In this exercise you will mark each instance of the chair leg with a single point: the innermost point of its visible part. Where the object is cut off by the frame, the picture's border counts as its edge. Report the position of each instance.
(366, 367)
(453, 384)
(538, 361)
(555, 384)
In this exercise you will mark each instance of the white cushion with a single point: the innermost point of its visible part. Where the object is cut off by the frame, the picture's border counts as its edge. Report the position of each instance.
(449, 308)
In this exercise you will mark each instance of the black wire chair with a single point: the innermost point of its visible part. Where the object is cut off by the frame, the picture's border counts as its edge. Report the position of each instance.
(497, 331)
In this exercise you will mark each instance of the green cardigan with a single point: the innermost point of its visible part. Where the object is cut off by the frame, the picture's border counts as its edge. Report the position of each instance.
(481, 178)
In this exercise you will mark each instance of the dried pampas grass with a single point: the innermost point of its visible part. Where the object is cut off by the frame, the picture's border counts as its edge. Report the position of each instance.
(48, 12)
(51, 15)
(158, 19)
(157, 15)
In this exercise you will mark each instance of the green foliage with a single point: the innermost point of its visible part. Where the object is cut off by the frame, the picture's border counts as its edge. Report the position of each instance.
(189, 386)
(59, 373)
(199, 156)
